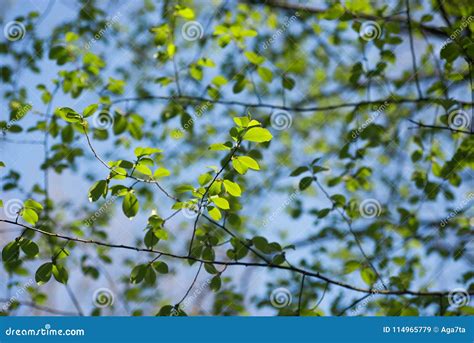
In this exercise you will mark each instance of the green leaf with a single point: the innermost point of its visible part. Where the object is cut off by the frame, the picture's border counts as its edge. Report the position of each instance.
(254, 58)
(299, 170)
(220, 202)
(351, 266)
(161, 234)
(140, 168)
(11, 252)
(258, 134)
(116, 86)
(219, 147)
(261, 244)
(305, 182)
(143, 151)
(265, 73)
(44, 272)
(184, 12)
(248, 162)
(29, 215)
(30, 248)
(368, 275)
(2, 164)
(90, 110)
(161, 267)
(241, 121)
(150, 239)
(239, 166)
(130, 205)
(219, 81)
(97, 190)
(60, 274)
(138, 273)
(214, 213)
(288, 82)
(150, 275)
(69, 115)
(232, 188)
(33, 205)
(216, 283)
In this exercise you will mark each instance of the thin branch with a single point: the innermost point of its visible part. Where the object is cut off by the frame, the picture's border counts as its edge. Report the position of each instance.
(191, 286)
(286, 108)
(236, 263)
(436, 127)
(201, 202)
(91, 147)
(412, 49)
(74, 300)
(301, 294)
(304, 8)
(230, 233)
(353, 304)
(12, 141)
(40, 307)
(349, 225)
(322, 296)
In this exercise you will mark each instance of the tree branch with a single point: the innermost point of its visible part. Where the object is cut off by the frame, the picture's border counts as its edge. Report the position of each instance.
(436, 127)
(40, 307)
(237, 263)
(355, 15)
(191, 98)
